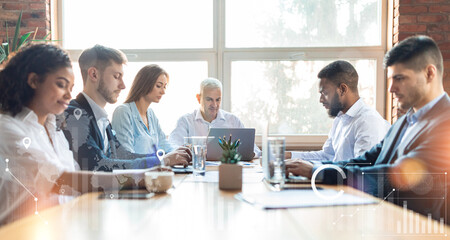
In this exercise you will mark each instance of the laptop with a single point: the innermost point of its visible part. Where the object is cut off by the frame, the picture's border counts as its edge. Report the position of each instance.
(245, 135)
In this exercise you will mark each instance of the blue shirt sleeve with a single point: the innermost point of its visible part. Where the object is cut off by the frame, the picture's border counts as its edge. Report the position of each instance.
(122, 124)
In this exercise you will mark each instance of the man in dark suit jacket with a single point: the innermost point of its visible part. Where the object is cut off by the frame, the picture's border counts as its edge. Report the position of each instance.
(410, 164)
(88, 131)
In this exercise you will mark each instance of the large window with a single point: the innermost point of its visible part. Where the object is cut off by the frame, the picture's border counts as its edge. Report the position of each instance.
(182, 75)
(138, 24)
(302, 23)
(286, 94)
(267, 53)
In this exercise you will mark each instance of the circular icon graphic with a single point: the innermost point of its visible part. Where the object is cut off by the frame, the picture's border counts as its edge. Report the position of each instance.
(313, 181)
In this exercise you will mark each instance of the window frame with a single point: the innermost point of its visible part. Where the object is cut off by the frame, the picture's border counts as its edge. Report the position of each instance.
(219, 60)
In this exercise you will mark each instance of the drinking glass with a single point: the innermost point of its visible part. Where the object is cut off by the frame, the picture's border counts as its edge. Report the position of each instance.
(197, 145)
(275, 159)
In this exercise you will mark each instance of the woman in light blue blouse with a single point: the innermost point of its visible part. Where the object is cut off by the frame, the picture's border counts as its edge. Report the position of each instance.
(136, 125)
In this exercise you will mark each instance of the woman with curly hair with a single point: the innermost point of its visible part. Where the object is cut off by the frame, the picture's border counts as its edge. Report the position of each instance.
(37, 168)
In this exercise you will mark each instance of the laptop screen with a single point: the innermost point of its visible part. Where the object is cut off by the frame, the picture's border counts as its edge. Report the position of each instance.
(245, 135)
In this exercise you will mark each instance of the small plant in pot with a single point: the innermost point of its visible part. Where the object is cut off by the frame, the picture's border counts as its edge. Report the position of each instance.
(10, 46)
(230, 173)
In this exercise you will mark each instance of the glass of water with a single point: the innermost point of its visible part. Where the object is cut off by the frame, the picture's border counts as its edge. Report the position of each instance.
(275, 167)
(197, 145)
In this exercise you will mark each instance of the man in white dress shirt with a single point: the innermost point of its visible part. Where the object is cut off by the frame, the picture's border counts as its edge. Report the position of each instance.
(356, 127)
(208, 116)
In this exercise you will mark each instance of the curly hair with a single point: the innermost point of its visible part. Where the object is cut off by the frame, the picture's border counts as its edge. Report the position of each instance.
(41, 59)
(340, 72)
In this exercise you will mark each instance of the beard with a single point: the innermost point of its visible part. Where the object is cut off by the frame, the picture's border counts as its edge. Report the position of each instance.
(105, 92)
(404, 107)
(410, 100)
(335, 106)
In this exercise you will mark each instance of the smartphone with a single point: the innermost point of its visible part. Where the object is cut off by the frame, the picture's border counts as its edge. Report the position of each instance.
(126, 195)
(298, 187)
(177, 169)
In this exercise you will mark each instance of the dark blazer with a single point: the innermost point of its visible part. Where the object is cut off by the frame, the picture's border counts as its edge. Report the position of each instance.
(86, 142)
(428, 143)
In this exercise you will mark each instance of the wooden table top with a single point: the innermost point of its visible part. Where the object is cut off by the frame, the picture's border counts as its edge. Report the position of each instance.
(199, 210)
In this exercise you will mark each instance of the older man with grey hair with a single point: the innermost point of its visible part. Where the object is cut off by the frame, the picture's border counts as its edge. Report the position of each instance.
(208, 116)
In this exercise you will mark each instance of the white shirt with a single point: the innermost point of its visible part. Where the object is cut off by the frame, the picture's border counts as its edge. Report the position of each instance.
(193, 124)
(102, 120)
(36, 166)
(352, 134)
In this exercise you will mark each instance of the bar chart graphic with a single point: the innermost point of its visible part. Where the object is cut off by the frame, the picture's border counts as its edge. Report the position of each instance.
(416, 224)
(432, 188)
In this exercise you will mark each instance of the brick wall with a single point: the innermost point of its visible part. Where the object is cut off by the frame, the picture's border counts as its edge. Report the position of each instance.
(36, 14)
(426, 17)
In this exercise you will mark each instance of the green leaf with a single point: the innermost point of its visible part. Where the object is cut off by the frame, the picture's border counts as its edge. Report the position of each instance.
(16, 32)
(7, 35)
(2, 54)
(23, 39)
(46, 36)
(5, 47)
(225, 142)
(221, 146)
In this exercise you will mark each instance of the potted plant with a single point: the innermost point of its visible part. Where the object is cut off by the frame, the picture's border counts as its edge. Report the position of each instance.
(11, 46)
(230, 173)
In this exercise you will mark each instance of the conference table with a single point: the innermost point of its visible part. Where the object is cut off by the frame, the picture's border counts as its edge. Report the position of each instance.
(199, 210)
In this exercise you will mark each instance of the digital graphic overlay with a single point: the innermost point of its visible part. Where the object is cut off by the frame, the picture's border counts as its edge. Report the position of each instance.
(36, 212)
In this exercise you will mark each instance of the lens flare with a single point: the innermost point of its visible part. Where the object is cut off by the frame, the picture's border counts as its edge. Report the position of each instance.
(409, 173)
